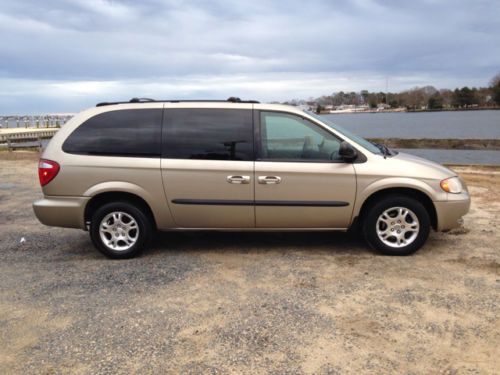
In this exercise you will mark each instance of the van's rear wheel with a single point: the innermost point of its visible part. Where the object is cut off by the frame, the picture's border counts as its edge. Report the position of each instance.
(120, 230)
(396, 225)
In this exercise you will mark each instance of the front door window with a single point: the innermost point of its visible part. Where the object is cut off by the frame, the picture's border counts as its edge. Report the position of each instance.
(287, 137)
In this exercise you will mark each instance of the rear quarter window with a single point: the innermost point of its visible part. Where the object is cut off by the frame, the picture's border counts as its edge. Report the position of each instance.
(130, 132)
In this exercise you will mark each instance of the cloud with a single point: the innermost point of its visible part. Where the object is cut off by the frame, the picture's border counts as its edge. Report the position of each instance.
(89, 49)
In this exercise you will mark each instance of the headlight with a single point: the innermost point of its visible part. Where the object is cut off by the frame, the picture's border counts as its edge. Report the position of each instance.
(452, 185)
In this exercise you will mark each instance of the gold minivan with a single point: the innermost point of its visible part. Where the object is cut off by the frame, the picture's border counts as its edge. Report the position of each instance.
(123, 170)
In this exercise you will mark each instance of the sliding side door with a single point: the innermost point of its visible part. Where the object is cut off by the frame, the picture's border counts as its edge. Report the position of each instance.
(207, 166)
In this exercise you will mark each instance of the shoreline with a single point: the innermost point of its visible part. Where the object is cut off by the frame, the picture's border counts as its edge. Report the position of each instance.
(404, 110)
(440, 143)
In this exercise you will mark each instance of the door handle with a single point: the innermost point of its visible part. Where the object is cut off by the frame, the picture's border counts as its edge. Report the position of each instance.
(238, 179)
(269, 180)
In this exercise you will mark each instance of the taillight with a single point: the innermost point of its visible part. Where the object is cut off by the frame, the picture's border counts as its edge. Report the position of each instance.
(47, 170)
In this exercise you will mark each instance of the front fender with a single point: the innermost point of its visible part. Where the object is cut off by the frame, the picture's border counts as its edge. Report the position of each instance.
(366, 189)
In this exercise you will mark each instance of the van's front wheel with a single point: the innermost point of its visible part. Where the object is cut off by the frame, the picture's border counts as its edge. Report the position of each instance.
(396, 225)
(120, 230)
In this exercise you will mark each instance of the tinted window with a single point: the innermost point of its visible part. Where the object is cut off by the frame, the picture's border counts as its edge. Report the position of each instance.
(215, 134)
(131, 132)
(289, 137)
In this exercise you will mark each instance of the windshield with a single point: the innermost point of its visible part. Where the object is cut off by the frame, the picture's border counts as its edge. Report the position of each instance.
(356, 138)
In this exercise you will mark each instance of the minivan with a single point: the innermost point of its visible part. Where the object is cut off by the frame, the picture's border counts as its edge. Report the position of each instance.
(123, 170)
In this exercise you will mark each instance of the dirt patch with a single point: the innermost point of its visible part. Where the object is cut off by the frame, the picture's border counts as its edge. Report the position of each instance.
(311, 303)
(23, 326)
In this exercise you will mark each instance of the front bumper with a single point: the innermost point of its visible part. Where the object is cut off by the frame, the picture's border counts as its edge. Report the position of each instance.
(450, 212)
(67, 212)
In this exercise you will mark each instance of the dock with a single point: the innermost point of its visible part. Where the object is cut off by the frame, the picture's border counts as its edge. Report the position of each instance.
(20, 134)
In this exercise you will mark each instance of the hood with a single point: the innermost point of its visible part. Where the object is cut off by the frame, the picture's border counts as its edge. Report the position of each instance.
(426, 167)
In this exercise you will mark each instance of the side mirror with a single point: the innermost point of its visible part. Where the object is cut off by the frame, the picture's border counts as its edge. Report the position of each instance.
(347, 152)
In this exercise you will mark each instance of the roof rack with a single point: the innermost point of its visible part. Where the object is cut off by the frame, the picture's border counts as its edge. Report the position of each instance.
(232, 99)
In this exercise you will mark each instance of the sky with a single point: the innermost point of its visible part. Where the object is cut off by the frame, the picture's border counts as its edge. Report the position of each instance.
(64, 56)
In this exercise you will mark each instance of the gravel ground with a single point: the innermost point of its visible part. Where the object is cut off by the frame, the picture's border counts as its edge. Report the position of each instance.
(296, 303)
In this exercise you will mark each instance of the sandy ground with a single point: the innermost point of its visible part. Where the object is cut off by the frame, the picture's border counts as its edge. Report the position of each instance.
(312, 303)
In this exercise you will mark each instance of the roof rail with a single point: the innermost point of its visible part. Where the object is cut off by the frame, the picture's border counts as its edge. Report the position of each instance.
(140, 100)
(232, 99)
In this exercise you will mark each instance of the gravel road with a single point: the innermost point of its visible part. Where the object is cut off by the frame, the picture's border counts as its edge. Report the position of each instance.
(312, 303)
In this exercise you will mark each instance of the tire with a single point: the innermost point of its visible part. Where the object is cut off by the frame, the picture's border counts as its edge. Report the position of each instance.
(120, 230)
(396, 225)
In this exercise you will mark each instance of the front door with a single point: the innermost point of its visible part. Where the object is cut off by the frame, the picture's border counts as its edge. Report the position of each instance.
(207, 166)
(300, 180)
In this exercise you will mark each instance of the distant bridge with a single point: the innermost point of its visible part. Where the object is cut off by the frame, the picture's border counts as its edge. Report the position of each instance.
(34, 121)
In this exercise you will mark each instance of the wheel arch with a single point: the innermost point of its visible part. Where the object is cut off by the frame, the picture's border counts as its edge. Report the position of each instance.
(406, 191)
(117, 196)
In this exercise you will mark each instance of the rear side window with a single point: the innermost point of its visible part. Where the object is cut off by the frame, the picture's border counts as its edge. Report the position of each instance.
(213, 134)
(130, 132)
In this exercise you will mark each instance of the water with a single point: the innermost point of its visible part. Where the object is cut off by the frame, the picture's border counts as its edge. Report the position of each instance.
(460, 124)
(488, 157)
(447, 124)
(440, 156)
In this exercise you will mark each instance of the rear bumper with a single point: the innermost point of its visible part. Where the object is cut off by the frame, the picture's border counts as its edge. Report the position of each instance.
(450, 213)
(65, 212)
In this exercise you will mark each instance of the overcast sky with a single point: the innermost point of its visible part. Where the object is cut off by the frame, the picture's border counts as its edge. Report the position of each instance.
(63, 56)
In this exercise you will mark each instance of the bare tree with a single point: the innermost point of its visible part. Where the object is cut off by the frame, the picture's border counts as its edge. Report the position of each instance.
(495, 89)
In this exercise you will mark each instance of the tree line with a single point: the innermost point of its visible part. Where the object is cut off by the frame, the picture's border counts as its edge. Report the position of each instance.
(427, 97)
